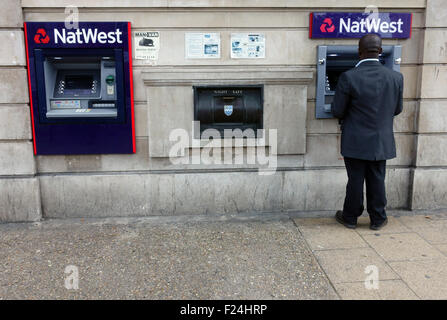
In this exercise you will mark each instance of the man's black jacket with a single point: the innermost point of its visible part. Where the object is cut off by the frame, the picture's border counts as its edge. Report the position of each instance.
(366, 100)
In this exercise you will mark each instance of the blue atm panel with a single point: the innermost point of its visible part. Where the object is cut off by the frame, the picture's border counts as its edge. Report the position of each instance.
(80, 84)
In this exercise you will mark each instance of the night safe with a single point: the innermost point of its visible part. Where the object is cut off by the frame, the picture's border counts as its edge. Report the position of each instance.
(229, 107)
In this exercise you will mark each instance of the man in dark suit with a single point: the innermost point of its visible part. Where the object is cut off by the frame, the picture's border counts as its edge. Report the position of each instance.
(366, 100)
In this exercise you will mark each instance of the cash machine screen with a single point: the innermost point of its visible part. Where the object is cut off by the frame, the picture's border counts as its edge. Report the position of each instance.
(78, 81)
(82, 87)
(332, 77)
(336, 66)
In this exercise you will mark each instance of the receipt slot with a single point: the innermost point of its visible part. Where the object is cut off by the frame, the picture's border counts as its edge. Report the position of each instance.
(80, 84)
(332, 61)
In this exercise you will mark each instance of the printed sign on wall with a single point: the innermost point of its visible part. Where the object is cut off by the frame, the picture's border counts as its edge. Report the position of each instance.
(202, 45)
(247, 46)
(356, 24)
(147, 45)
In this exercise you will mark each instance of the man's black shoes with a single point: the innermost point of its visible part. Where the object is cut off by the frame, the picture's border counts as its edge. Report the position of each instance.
(340, 219)
(378, 226)
(373, 226)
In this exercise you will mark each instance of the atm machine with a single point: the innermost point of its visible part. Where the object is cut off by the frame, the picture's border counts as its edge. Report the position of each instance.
(332, 61)
(80, 87)
(80, 84)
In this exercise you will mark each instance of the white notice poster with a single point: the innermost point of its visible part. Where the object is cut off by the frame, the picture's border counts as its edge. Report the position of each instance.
(147, 45)
(247, 46)
(202, 45)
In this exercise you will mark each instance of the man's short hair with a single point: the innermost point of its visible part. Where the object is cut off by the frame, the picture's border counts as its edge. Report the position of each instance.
(370, 43)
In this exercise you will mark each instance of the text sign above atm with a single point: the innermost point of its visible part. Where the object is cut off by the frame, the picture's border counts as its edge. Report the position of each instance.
(88, 35)
(355, 24)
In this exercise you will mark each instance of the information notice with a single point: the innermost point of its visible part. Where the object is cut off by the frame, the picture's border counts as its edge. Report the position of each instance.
(247, 46)
(147, 45)
(202, 45)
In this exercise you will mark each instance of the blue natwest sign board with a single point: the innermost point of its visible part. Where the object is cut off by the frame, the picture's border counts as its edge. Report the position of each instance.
(357, 24)
(88, 35)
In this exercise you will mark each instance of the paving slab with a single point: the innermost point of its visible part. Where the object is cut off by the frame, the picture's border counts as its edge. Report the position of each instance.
(330, 236)
(431, 228)
(442, 248)
(314, 221)
(387, 290)
(348, 265)
(393, 226)
(402, 246)
(175, 260)
(428, 279)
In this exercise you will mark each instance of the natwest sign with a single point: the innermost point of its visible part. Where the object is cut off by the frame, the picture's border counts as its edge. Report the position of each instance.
(89, 35)
(356, 25)
(86, 35)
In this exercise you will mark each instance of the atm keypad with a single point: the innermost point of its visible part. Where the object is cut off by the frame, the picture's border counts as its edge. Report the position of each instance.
(94, 86)
(61, 87)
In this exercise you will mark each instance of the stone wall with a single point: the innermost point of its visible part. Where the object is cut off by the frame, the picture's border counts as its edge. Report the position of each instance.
(142, 184)
(19, 187)
(430, 174)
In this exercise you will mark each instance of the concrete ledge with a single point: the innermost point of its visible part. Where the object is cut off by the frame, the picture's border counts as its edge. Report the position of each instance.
(131, 195)
(236, 75)
(20, 200)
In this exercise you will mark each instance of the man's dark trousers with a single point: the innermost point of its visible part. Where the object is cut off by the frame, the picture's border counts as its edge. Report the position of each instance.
(373, 173)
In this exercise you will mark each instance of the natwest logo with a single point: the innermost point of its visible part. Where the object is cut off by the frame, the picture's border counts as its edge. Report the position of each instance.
(41, 36)
(371, 25)
(327, 26)
(339, 25)
(85, 36)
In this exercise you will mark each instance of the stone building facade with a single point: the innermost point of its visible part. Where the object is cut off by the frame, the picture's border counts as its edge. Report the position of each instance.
(310, 174)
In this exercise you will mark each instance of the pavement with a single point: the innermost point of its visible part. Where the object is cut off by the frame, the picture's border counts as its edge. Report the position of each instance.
(245, 256)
